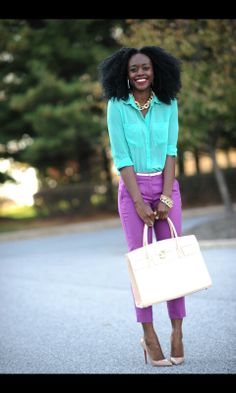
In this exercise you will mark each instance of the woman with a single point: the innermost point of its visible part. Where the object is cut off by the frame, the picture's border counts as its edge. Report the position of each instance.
(141, 86)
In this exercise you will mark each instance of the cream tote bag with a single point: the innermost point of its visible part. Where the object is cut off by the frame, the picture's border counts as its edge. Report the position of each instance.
(166, 269)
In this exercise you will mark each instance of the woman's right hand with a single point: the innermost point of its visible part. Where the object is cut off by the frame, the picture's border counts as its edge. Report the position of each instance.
(145, 213)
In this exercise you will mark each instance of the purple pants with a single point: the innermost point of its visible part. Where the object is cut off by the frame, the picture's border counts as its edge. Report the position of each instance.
(151, 189)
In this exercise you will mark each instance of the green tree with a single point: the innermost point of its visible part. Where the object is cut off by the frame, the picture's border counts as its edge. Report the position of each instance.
(51, 99)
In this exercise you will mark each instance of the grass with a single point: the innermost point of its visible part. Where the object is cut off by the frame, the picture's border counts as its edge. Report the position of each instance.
(18, 212)
(13, 218)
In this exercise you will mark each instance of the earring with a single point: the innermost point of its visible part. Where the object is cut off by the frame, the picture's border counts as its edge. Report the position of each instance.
(128, 84)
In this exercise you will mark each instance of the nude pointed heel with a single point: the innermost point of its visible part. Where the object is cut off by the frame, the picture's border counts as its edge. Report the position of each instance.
(145, 355)
(155, 363)
(176, 360)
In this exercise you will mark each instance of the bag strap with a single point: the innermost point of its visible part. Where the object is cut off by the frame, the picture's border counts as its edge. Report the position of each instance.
(173, 231)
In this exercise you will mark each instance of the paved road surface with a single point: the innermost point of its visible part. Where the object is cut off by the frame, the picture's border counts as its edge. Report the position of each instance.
(66, 307)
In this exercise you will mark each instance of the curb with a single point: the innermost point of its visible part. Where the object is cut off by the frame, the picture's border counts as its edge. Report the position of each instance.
(217, 243)
(57, 230)
(93, 226)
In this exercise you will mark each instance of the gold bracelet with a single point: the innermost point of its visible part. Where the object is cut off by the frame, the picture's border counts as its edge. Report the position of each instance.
(166, 200)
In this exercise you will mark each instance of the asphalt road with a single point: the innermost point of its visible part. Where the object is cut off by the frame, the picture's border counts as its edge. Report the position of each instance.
(66, 307)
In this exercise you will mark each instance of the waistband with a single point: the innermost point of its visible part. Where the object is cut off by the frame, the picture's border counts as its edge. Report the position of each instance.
(149, 174)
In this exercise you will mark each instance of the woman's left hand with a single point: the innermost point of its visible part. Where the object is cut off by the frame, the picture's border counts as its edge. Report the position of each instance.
(161, 211)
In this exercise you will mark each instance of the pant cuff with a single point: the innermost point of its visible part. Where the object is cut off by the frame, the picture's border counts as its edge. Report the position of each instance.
(177, 316)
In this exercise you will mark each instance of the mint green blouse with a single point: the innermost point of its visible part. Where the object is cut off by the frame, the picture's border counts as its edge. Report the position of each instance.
(142, 141)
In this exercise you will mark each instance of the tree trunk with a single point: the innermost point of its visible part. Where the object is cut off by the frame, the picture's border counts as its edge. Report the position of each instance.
(227, 153)
(221, 182)
(197, 161)
(181, 163)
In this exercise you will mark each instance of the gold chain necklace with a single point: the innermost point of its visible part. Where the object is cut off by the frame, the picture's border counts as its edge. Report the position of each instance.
(146, 104)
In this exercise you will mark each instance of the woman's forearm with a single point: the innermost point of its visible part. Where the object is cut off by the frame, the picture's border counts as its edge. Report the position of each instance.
(128, 176)
(169, 175)
(162, 208)
(143, 209)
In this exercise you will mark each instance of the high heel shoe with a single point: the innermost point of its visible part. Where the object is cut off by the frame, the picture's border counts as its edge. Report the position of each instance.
(177, 361)
(161, 363)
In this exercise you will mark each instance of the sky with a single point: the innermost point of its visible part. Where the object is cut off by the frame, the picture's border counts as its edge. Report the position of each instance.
(27, 184)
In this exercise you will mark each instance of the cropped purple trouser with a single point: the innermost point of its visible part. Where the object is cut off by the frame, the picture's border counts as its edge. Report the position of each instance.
(151, 189)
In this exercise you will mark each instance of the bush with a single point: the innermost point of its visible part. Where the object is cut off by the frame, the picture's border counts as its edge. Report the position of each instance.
(87, 199)
(82, 199)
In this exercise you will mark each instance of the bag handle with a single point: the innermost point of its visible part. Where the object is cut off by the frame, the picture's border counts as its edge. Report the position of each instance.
(173, 232)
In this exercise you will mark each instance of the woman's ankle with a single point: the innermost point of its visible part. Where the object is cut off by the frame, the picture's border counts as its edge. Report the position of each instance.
(177, 348)
(177, 333)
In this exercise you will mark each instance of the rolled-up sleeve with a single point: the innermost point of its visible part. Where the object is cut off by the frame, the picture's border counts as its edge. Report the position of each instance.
(173, 130)
(119, 147)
